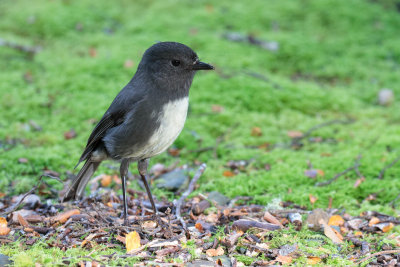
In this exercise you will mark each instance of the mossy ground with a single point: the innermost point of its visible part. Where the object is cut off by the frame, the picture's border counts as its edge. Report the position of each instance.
(333, 58)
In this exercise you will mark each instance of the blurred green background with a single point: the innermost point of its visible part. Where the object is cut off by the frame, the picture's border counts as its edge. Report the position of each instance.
(323, 60)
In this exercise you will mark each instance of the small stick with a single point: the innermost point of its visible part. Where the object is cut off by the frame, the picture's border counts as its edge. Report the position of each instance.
(382, 172)
(16, 205)
(377, 254)
(187, 193)
(26, 49)
(296, 140)
(354, 167)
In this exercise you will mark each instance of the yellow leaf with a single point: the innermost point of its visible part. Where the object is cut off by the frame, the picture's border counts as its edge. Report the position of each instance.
(3, 222)
(106, 180)
(331, 233)
(336, 220)
(4, 230)
(63, 217)
(199, 227)
(313, 260)
(358, 233)
(215, 252)
(256, 131)
(132, 240)
(228, 174)
(387, 228)
(374, 220)
(284, 259)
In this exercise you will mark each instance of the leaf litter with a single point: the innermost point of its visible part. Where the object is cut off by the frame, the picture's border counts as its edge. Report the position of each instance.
(203, 231)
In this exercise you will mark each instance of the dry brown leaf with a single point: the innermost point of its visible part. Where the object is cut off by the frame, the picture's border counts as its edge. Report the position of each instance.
(313, 260)
(313, 199)
(70, 134)
(92, 52)
(373, 221)
(215, 252)
(294, 134)
(358, 233)
(106, 180)
(2, 194)
(217, 108)
(132, 240)
(120, 239)
(358, 182)
(228, 174)
(22, 221)
(63, 217)
(331, 233)
(336, 220)
(199, 227)
(116, 179)
(4, 230)
(28, 229)
(284, 259)
(128, 63)
(149, 224)
(387, 228)
(270, 218)
(174, 151)
(3, 222)
(256, 131)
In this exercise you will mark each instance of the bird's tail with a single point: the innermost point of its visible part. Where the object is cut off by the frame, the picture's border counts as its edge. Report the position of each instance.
(77, 188)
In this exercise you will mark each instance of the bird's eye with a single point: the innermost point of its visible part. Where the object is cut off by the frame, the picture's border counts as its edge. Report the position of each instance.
(175, 62)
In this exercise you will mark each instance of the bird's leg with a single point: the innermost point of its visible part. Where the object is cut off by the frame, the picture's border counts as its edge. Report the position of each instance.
(142, 167)
(123, 169)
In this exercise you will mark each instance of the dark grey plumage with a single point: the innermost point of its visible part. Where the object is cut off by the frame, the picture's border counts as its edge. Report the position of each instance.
(145, 117)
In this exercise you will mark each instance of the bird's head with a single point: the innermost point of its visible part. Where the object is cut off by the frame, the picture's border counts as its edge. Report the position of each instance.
(172, 62)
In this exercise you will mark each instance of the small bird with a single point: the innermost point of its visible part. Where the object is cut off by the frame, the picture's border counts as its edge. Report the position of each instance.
(145, 117)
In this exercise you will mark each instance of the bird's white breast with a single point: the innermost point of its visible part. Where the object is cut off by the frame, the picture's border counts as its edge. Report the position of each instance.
(172, 119)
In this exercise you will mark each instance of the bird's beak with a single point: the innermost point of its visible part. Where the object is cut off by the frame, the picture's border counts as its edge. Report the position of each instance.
(202, 66)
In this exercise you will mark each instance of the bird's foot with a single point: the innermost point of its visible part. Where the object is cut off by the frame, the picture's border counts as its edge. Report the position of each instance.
(125, 218)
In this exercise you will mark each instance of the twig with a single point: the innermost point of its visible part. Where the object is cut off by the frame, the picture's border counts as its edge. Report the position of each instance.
(307, 134)
(26, 49)
(382, 172)
(354, 167)
(379, 253)
(16, 205)
(190, 189)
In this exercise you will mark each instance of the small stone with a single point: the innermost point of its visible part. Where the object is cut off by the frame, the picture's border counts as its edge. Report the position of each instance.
(218, 198)
(225, 260)
(23, 213)
(200, 263)
(355, 224)
(287, 249)
(5, 260)
(157, 169)
(32, 200)
(173, 181)
(385, 97)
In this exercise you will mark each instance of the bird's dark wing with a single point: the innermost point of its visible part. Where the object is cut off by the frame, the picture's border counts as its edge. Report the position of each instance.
(111, 118)
(127, 100)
